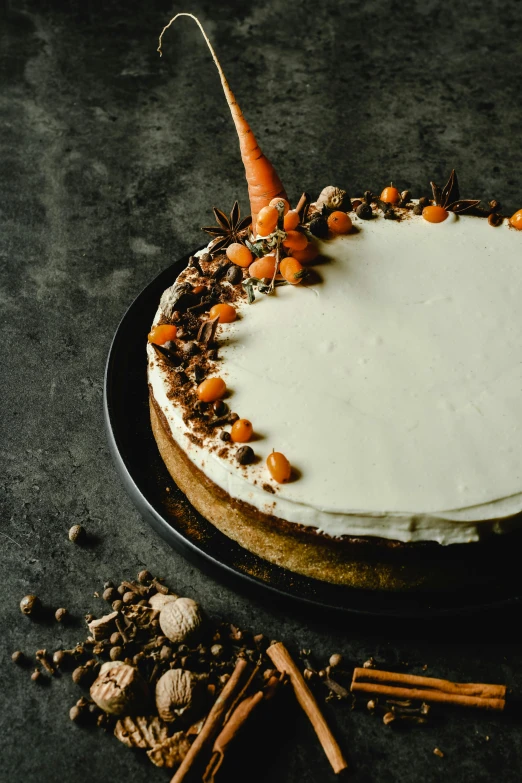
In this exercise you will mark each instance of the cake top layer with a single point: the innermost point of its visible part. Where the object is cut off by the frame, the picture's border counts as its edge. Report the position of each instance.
(393, 384)
(391, 380)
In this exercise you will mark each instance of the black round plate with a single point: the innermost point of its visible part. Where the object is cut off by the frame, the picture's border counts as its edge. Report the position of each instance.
(151, 488)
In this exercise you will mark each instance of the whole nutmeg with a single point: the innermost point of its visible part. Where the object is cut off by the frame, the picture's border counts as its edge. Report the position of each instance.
(29, 604)
(179, 691)
(331, 198)
(181, 620)
(159, 600)
(120, 690)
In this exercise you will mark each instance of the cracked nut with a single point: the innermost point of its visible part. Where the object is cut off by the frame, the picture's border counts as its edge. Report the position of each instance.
(120, 690)
(181, 620)
(159, 600)
(171, 752)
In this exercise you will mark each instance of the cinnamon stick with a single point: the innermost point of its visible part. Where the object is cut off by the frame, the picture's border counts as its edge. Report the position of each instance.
(429, 694)
(480, 690)
(283, 661)
(212, 726)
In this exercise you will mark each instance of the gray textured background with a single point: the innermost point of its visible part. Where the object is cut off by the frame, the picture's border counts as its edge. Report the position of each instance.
(110, 160)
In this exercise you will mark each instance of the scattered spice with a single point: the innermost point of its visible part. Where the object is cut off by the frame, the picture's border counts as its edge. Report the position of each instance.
(77, 534)
(18, 657)
(30, 605)
(245, 455)
(438, 752)
(61, 615)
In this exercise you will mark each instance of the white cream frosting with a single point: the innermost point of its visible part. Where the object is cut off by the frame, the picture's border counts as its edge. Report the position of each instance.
(393, 385)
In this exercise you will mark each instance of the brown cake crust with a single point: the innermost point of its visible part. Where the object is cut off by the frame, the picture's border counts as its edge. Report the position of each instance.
(365, 563)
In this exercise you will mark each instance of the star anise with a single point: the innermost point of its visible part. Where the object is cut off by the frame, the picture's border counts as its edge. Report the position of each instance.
(449, 196)
(230, 229)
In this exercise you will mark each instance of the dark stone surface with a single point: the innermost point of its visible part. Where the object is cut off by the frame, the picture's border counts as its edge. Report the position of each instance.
(111, 159)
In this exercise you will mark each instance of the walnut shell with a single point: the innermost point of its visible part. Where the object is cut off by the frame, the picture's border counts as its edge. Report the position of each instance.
(181, 620)
(171, 752)
(158, 600)
(120, 690)
(141, 732)
(331, 198)
(103, 627)
(179, 691)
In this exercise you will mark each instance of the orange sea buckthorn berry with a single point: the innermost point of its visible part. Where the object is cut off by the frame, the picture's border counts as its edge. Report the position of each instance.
(434, 214)
(390, 195)
(263, 267)
(275, 201)
(279, 467)
(267, 220)
(292, 270)
(211, 389)
(161, 334)
(239, 254)
(307, 255)
(291, 220)
(241, 431)
(516, 220)
(226, 313)
(339, 222)
(294, 240)
(198, 289)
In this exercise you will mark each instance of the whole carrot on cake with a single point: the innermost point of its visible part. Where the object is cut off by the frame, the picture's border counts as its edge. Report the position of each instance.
(263, 181)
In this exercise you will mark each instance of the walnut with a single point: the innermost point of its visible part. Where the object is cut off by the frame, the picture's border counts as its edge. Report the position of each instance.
(141, 732)
(120, 690)
(181, 620)
(331, 198)
(179, 691)
(158, 600)
(102, 628)
(171, 752)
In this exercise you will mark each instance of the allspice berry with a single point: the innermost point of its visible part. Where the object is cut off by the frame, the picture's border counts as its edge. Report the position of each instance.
(76, 713)
(335, 660)
(77, 534)
(18, 657)
(59, 657)
(144, 577)
(116, 653)
(60, 614)
(110, 594)
(81, 675)
(29, 604)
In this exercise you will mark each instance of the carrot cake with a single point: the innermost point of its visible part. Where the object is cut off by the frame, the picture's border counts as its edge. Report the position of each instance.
(337, 386)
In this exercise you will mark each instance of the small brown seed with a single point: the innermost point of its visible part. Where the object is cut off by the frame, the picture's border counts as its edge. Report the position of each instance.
(76, 713)
(116, 605)
(122, 589)
(144, 577)
(115, 638)
(60, 614)
(36, 676)
(77, 534)
(129, 597)
(59, 657)
(495, 219)
(245, 455)
(225, 436)
(116, 653)
(18, 657)
(80, 675)
(29, 605)
(220, 407)
(335, 660)
(234, 275)
(110, 594)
